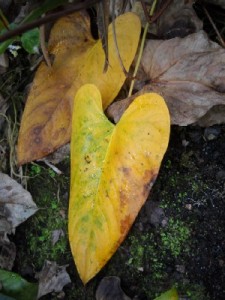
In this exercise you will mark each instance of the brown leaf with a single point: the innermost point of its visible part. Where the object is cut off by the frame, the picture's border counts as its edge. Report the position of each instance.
(56, 235)
(216, 115)
(110, 289)
(188, 72)
(59, 155)
(16, 204)
(52, 278)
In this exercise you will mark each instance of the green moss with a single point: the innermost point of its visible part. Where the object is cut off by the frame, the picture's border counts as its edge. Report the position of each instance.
(175, 237)
(144, 255)
(47, 191)
(193, 291)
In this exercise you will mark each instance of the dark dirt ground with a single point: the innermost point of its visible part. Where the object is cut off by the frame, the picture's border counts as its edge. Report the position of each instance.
(178, 238)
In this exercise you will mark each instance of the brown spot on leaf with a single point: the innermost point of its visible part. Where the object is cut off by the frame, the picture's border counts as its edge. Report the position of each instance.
(37, 140)
(150, 178)
(123, 199)
(87, 159)
(125, 225)
(37, 130)
(126, 171)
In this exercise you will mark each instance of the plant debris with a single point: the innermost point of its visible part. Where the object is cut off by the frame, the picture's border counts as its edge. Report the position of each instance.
(16, 204)
(188, 72)
(52, 278)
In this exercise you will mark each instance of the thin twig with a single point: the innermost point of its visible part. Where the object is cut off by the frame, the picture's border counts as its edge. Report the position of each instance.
(4, 22)
(160, 11)
(49, 18)
(141, 49)
(124, 6)
(115, 41)
(145, 10)
(43, 46)
(157, 14)
(214, 27)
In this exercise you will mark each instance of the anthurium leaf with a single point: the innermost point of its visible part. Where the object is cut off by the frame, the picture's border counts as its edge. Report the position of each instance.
(13, 285)
(112, 171)
(43, 8)
(3, 297)
(79, 59)
(169, 295)
(4, 45)
(30, 40)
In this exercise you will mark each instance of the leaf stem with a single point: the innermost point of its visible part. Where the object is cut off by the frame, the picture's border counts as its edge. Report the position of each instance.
(141, 49)
(49, 18)
(214, 27)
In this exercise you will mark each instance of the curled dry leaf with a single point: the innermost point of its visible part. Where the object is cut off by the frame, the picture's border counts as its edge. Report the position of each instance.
(79, 59)
(112, 171)
(188, 72)
(216, 115)
(56, 235)
(16, 204)
(52, 278)
(110, 289)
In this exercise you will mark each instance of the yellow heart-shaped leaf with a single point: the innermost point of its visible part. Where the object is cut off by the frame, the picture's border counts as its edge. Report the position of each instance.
(112, 171)
(78, 59)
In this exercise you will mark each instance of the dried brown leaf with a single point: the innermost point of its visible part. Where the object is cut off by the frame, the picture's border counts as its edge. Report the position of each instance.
(216, 115)
(16, 204)
(188, 72)
(52, 278)
(110, 289)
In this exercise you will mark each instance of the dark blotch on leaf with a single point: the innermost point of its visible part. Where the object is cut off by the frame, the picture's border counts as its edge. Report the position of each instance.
(87, 159)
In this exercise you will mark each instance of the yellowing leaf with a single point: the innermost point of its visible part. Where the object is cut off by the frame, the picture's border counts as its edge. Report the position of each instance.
(79, 59)
(112, 171)
(169, 295)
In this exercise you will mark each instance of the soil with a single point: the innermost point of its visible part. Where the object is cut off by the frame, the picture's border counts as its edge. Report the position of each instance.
(178, 238)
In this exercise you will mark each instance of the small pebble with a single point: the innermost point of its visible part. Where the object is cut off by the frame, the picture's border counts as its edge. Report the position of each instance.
(220, 175)
(61, 295)
(180, 268)
(212, 133)
(154, 213)
(195, 135)
(164, 222)
(185, 143)
(188, 206)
